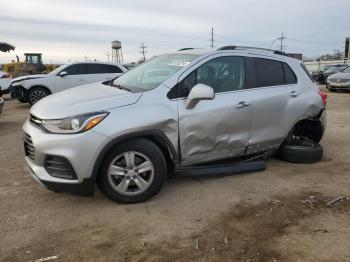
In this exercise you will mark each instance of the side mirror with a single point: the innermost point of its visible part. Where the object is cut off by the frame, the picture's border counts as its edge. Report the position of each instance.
(199, 92)
(63, 74)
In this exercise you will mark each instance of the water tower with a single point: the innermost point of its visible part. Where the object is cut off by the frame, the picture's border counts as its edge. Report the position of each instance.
(117, 54)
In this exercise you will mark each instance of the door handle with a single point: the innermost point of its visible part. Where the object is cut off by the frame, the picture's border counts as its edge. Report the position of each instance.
(294, 94)
(242, 104)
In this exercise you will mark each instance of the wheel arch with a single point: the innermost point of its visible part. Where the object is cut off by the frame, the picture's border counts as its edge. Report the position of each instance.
(156, 136)
(37, 86)
(310, 127)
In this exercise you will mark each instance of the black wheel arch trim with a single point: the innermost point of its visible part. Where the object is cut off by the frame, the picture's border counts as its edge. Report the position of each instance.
(156, 135)
(38, 86)
(85, 188)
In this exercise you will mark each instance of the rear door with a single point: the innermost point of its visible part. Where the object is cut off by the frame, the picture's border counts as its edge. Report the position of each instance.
(274, 87)
(219, 128)
(75, 77)
(101, 72)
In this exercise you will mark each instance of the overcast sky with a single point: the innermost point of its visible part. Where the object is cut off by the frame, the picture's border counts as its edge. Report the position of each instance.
(69, 30)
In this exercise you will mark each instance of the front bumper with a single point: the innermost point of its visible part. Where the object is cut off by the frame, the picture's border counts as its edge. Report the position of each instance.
(338, 86)
(18, 91)
(81, 150)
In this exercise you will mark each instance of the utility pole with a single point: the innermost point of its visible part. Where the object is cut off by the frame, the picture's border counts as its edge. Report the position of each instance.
(108, 56)
(282, 38)
(212, 38)
(143, 51)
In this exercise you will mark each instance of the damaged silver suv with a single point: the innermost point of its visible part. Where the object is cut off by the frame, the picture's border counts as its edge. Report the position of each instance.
(189, 111)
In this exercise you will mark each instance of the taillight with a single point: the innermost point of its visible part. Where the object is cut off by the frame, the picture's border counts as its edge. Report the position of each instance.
(6, 75)
(324, 97)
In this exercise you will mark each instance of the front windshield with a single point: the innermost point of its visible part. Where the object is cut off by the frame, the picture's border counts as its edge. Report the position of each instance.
(57, 70)
(154, 72)
(346, 70)
(330, 70)
(324, 68)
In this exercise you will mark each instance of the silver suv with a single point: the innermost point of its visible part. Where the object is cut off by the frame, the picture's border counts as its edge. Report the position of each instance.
(188, 110)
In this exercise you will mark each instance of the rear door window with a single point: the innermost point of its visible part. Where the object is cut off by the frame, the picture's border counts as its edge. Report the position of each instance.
(268, 72)
(102, 69)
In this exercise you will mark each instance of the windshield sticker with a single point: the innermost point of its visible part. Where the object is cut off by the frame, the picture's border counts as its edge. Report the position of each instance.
(179, 63)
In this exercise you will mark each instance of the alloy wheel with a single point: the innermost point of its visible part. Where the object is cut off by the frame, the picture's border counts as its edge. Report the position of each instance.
(130, 173)
(36, 95)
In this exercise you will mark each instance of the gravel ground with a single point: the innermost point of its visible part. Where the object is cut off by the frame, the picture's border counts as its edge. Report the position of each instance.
(276, 215)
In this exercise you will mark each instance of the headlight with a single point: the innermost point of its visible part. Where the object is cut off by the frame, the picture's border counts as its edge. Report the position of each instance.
(18, 83)
(74, 124)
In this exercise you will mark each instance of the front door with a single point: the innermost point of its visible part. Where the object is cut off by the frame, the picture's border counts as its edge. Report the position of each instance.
(76, 76)
(219, 128)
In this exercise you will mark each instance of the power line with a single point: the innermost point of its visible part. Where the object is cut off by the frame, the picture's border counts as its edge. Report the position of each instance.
(143, 51)
(314, 42)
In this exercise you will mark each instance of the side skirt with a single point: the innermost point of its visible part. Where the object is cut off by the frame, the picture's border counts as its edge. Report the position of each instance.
(253, 164)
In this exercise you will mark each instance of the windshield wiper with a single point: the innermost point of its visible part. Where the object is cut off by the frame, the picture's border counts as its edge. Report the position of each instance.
(122, 88)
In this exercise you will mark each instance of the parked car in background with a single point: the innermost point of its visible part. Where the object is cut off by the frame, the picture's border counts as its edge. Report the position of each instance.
(339, 81)
(4, 82)
(1, 104)
(187, 110)
(32, 88)
(325, 71)
(130, 66)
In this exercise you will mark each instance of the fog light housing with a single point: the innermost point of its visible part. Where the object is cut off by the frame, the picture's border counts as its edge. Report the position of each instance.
(60, 167)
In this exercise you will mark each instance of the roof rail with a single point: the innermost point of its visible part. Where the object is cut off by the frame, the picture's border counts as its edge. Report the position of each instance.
(186, 48)
(233, 47)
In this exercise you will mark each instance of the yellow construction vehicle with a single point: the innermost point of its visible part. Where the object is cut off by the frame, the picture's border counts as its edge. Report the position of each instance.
(33, 64)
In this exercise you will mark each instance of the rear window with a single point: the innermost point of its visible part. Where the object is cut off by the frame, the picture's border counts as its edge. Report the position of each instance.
(268, 72)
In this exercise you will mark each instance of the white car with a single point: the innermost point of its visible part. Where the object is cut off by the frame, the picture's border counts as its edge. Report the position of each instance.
(32, 88)
(4, 82)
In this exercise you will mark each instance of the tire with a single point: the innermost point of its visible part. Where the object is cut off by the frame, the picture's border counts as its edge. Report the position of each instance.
(37, 93)
(124, 186)
(306, 153)
(22, 100)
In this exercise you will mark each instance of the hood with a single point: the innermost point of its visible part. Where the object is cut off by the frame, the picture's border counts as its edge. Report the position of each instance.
(27, 77)
(340, 75)
(83, 99)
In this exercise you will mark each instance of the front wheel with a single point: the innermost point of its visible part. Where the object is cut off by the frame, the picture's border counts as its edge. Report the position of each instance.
(132, 172)
(22, 100)
(37, 93)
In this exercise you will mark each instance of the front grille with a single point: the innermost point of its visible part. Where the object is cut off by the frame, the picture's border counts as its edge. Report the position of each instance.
(59, 167)
(29, 149)
(35, 120)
